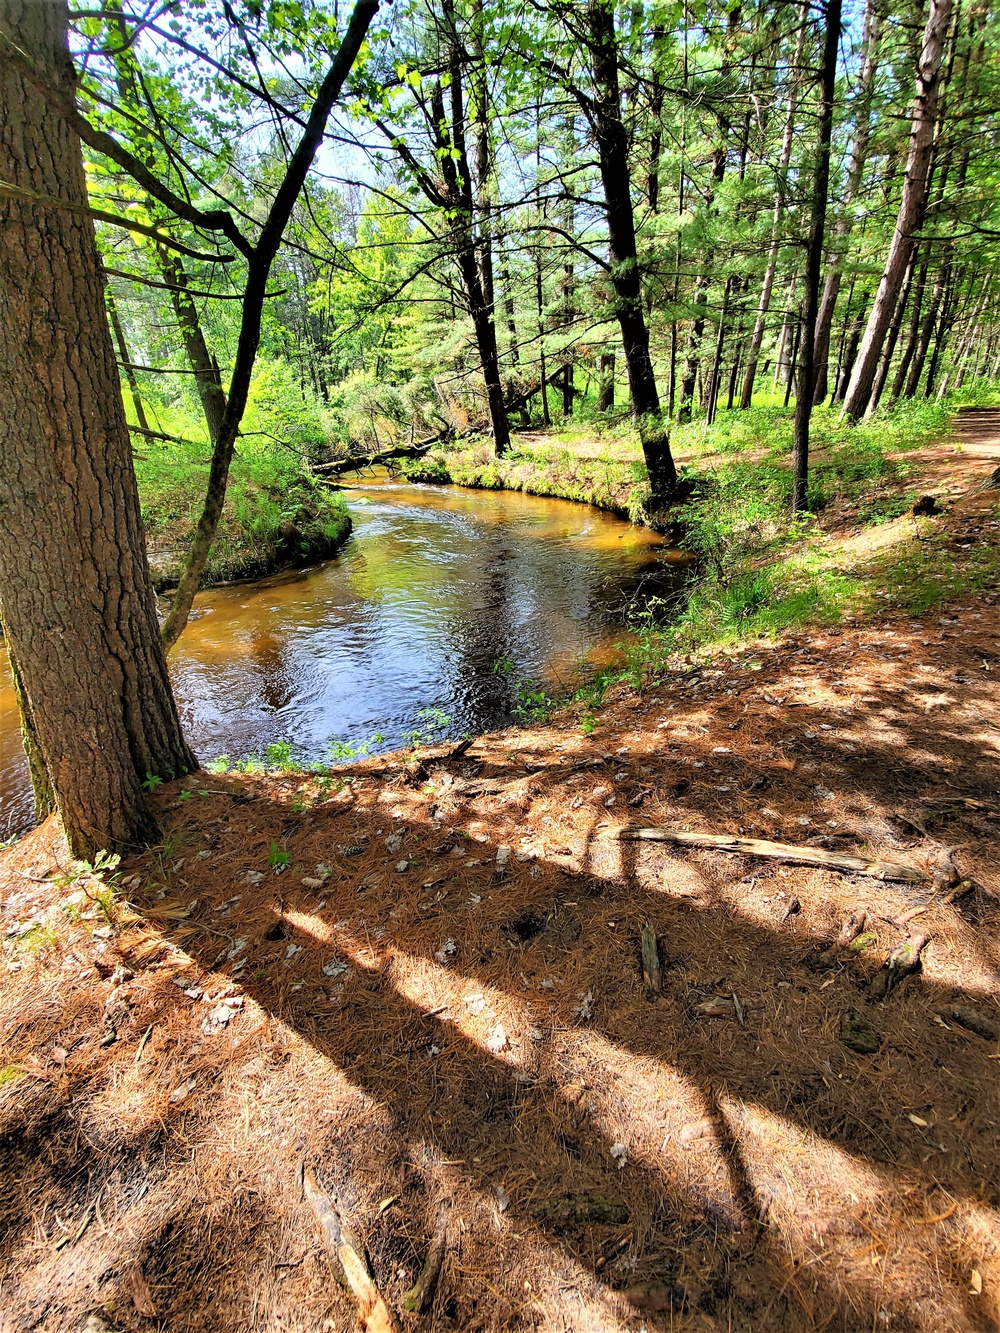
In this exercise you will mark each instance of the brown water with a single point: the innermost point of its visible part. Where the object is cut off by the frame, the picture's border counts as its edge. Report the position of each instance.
(436, 586)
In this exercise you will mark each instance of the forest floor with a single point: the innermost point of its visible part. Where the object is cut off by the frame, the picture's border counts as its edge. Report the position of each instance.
(418, 984)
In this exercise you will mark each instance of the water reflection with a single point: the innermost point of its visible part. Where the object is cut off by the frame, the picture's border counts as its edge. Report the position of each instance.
(435, 588)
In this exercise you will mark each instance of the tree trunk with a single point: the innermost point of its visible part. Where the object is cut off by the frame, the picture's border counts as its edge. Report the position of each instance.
(206, 372)
(606, 386)
(78, 604)
(612, 145)
(126, 360)
(927, 326)
(764, 305)
(888, 351)
(693, 361)
(911, 209)
(814, 259)
(855, 172)
(913, 333)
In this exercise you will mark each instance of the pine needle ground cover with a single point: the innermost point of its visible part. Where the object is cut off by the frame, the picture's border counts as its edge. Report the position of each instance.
(421, 984)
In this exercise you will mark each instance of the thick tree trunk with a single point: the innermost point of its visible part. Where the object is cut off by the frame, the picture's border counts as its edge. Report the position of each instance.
(77, 600)
(612, 145)
(814, 259)
(911, 209)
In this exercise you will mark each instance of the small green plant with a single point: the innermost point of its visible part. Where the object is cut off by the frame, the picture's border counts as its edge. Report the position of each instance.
(277, 857)
(220, 764)
(279, 755)
(435, 723)
(184, 794)
(151, 782)
(337, 750)
(10, 1073)
(588, 724)
(37, 938)
(503, 666)
(531, 702)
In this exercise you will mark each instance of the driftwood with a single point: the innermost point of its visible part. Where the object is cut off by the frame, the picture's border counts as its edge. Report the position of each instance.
(420, 1295)
(374, 1316)
(779, 851)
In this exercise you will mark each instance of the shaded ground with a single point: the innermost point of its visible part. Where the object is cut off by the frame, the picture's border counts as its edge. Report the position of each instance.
(437, 1005)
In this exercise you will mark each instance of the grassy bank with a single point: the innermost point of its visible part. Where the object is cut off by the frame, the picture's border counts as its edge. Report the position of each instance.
(860, 552)
(556, 469)
(276, 514)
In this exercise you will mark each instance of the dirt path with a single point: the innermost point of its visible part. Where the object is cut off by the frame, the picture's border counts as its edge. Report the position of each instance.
(437, 1006)
(978, 429)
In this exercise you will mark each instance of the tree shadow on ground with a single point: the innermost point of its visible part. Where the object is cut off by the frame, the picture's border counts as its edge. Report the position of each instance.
(471, 1032)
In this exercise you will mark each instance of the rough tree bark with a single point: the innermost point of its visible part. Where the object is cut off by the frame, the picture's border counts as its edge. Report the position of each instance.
(78, 605)
(911, 209)
(814, 258)
(604, 111)
(870, 41)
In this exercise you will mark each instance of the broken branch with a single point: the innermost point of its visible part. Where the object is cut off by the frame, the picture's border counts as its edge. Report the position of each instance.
(779, 851)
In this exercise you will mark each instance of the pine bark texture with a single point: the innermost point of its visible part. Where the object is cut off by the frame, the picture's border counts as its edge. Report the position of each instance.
(77, 599)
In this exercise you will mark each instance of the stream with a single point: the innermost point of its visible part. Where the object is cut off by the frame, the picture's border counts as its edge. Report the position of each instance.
(442, 599)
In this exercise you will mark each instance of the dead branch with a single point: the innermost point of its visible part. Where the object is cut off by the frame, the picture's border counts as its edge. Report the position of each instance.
(779, 851)
(347, 1248)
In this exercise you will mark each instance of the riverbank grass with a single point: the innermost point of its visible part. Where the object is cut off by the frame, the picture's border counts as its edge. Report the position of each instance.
(276, 513)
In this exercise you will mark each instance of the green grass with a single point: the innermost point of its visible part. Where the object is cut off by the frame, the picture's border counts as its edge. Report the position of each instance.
(608, 483)
(276, 513)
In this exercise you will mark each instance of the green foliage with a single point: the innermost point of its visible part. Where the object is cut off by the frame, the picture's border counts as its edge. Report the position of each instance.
(277, 857)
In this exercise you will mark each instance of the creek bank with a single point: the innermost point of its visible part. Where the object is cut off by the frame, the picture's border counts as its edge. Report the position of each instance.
(261, 533)
(616, 486)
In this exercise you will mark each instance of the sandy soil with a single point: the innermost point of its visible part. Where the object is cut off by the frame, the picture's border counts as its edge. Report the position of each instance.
(438, 1008)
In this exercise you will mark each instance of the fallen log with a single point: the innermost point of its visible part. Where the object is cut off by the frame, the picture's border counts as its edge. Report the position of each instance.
(356, 461)
(374, 1316)
(779, 851)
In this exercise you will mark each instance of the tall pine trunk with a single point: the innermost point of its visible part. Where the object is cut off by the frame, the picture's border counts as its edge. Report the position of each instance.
(852, 185)
(911, 209)
(612, 145)
(814, 259)
(77, 600)
(767, 286)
